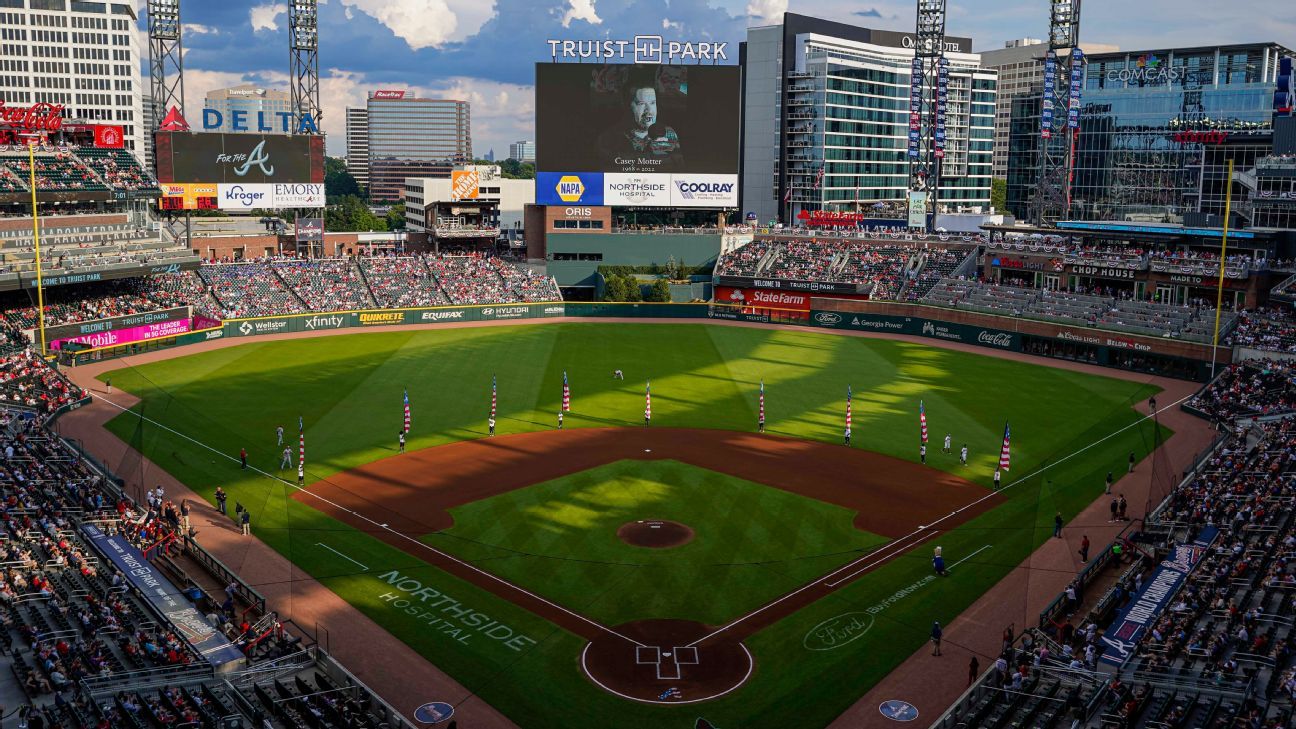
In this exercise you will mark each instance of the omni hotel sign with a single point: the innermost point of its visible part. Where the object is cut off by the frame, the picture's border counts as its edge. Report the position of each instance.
(640, 49)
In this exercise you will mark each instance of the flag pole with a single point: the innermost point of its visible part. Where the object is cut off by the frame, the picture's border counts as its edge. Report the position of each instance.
(1219, 285)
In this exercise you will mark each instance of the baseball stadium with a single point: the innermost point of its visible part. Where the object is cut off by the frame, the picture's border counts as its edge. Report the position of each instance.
(642, 442)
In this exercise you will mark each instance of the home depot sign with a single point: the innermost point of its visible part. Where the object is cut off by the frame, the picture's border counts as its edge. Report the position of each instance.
(464, 185)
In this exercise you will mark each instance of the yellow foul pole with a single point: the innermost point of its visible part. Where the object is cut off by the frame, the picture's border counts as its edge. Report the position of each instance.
(40, 289)
(1219, 287)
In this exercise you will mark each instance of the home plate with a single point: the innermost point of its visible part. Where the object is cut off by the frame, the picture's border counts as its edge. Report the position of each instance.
(647, 450)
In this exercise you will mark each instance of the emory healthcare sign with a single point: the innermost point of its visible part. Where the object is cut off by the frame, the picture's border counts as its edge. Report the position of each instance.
(642, 49)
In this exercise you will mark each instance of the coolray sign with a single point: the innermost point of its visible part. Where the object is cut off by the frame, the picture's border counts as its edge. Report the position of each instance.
(1147, 604)
(704, 191)
(449, 617)
(445, 315)
(324, 321)
(631, 189)
(641, 49)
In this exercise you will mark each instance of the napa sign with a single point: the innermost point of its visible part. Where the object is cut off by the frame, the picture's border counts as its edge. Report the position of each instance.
(271, 122)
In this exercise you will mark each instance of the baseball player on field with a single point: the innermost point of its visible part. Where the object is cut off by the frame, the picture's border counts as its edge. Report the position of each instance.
(963, 455)
(947, 448)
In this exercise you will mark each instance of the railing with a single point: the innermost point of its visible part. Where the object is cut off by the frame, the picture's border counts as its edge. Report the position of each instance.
(218, 568)
(1201, 267)
(147, 678)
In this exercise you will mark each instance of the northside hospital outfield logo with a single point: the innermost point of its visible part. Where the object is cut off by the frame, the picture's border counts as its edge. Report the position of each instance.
(448, 616)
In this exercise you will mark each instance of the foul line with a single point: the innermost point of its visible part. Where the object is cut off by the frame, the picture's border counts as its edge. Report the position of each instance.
(922, 530)
(970, 556)
(343, 556)
(384, 527)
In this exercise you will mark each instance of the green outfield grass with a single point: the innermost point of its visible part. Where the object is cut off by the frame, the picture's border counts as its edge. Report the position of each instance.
(561, 539)
(348, 390)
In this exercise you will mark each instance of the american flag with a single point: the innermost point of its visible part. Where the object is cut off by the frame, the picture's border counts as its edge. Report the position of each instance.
(566, 405)
(648, 401)
(762, 401)
(407, 414)
(819, 178)
(848, 406)
(1003, 453)
(493, 396)
(922, 420)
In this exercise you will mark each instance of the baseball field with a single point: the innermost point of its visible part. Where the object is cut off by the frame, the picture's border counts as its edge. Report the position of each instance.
(612, 574)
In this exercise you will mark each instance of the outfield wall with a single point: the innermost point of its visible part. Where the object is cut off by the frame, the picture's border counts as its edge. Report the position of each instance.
(1172, 358)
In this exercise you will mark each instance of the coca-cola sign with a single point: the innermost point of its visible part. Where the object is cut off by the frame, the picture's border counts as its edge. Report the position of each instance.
(37, 117)
(993, 339)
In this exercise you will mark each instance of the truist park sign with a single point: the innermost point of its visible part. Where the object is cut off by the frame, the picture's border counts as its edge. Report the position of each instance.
(640, 49)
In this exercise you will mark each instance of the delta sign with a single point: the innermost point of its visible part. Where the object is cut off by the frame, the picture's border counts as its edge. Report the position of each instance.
(260, 121)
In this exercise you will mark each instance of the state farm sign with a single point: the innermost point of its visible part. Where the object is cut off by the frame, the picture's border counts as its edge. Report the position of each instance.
(763, 298)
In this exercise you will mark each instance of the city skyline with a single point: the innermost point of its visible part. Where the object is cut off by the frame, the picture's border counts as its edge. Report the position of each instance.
(459, 40)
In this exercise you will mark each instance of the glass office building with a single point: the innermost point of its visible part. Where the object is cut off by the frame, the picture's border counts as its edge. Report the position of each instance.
(251, 100)
(1157, 130)
(826, 121)
(411, 137)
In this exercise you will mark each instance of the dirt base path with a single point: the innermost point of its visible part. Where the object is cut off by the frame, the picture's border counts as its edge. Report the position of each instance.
(412, 493)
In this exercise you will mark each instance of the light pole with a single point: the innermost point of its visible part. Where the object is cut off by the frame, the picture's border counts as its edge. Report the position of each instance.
(40, 288)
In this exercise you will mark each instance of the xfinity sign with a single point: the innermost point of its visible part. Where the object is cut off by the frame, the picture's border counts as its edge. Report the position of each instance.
(641, 49)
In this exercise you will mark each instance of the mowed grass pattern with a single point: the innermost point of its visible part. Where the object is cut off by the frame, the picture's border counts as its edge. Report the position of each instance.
(348, 389)
(561, 538)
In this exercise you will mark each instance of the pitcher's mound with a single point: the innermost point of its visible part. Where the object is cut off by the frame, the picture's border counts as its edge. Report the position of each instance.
(655, 534)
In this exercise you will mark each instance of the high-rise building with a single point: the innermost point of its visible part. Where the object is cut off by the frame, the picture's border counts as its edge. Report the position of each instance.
(1020, 66)
(260, 109)
(357, 145)
(1157, 129)
(413, 137)
(826, 120)
(522, 151)
(82, 56)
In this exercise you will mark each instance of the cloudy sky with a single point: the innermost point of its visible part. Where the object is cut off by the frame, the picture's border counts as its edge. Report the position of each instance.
(483, 50)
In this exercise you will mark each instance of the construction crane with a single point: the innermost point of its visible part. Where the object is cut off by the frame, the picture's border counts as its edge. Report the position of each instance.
(1059, 113)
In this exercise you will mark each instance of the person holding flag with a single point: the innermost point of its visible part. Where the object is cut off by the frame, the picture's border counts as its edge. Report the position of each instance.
(301, 450)
(760, 419)
(1005, 453)
(560, 419)
(922, 424)
(647, 403)
(566, 401)
(847, 434)
(407, 411)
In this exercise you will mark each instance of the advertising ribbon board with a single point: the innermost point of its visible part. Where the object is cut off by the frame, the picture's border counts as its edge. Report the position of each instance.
(164, 596)
(128, 335)
(1146, 605)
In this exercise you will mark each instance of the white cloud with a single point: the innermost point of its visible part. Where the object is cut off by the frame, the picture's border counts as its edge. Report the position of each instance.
(667, 24)
(266, 17)
(580, 10)
(767, 11)
(427, 23)
(199, 29)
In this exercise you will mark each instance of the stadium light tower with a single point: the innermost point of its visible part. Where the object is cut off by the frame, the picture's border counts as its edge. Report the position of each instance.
(303, 59)
(166, 57)
(929, 82)
(1059, 113)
